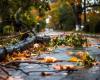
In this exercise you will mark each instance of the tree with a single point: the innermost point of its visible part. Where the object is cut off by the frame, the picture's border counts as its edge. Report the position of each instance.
(93, 23)
(62, 15)
(18, 12)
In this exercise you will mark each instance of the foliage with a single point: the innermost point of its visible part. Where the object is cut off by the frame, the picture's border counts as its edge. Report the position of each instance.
(18, 12)
(8, 29)
(28, 19)
(82, 58)
(94, 22)
(87, 60)
(9, 8)
(56, 41)
(73, 40)
(9, 41)
(14, 39)
(40, 26)
(62, 15)
(66, 17)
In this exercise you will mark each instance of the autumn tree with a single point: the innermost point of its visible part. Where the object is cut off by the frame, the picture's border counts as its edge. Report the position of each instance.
(17, 13)
(62, 15)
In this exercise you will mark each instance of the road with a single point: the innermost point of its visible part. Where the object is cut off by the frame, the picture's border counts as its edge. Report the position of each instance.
(92, 73)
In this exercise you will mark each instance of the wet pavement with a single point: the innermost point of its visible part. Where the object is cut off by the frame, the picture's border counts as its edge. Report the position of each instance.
(92, 73)
(35, 70)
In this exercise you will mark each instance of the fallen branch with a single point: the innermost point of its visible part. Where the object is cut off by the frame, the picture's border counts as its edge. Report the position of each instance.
(9, 65)
(4, 70)
(44, 63)
(12, 67)
(27, 61)
(17, 69)
(56, 71)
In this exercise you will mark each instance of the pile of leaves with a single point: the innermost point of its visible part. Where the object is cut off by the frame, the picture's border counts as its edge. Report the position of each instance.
(83, 58)
(75, 40)
(15, 38)
(17, 55)
(86, 59)
(72, 40)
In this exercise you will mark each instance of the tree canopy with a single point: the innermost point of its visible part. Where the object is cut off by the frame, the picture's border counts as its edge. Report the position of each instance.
(62, 15)
(18, 12)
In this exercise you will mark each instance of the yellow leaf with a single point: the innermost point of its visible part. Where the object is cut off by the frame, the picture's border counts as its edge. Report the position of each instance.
(74, 59)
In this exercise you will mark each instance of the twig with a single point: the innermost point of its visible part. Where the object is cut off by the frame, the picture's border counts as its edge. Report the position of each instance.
(4, 71)
(7, 73)
(36, 62)
(56, 71)
(17, 69)
(26, 61)
(6, 66)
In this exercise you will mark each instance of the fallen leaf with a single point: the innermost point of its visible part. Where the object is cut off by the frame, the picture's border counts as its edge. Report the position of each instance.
(73, 59)
(49, 59)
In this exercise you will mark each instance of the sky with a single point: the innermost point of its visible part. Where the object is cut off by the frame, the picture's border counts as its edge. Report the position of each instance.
(91, 1)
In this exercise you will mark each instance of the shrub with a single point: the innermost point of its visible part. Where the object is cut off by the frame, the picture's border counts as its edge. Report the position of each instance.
(8, 29)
